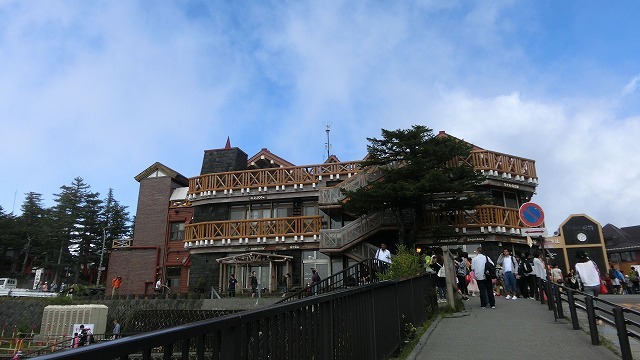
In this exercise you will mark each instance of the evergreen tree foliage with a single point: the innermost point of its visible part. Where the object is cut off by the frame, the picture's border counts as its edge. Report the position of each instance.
(65, 239)
(10, 242)
(420, 171)
(115, 223)
(34, 229)
(78, 230)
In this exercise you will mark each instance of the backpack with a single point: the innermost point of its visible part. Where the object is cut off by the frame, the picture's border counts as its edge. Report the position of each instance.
(441, 271)
(462, 268)
(489, 269)
(526, 266)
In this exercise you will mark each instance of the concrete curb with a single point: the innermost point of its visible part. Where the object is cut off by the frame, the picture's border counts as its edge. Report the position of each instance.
(423, 339)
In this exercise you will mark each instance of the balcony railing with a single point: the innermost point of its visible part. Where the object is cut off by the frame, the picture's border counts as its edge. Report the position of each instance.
(262, 179)
(493, 163)
(240, 231)
(122, 243)
(481, 217)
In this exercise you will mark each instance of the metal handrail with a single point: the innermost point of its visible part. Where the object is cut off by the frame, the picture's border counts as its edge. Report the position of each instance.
(362, 273)
(313, 327)
(595, 312)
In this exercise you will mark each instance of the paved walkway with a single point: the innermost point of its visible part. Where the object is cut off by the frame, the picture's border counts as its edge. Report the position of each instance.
(516, 329)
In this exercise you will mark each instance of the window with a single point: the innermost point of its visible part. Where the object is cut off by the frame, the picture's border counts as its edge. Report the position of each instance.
(237, 213)
(309, 208)
(626, 256)
(510, 200)
(177, 231)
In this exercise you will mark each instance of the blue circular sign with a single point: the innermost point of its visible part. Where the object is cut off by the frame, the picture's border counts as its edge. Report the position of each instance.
(531, 214)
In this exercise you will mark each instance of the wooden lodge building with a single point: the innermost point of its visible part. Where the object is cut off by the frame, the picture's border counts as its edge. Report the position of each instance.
(264, 214)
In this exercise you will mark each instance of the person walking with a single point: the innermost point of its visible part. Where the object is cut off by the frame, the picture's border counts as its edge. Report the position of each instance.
(287, 284)
(462, 270)
(485, 284)
(588, 274)
(509, 269)
(253, 281)
(116, 330)
(540, 269)
(232, 285)
(384, 257)
(441, 282)
(315, 281)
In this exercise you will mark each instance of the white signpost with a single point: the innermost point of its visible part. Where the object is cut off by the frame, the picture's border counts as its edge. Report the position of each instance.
(534, 232)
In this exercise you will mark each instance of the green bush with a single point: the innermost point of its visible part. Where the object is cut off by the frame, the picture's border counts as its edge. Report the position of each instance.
(406, 264)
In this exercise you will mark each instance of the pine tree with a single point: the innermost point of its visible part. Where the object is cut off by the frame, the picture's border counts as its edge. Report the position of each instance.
(33, 224)
(78, 227)
(115, 221)
(10, 242)
(419, 171)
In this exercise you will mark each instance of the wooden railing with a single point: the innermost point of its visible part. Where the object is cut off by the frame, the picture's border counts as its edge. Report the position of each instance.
(481, 216)
(122, 243)
(261, 229)
(272, 177)
(502, 163)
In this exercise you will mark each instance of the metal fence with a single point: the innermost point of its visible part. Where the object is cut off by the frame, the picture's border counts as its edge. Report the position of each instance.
(363, 322)
(596, 310)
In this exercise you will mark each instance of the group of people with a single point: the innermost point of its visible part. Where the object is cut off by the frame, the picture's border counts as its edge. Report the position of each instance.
(517, 276)
(44, 286)
(83, 337)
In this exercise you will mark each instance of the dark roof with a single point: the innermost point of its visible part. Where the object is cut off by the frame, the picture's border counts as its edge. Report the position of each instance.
(621, 239)
(170, 172)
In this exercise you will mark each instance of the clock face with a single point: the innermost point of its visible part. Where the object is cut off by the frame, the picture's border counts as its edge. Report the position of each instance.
(582, 237)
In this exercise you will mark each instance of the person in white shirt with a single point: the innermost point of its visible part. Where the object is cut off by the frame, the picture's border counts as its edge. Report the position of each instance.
(540, 270)
(588, 274)
(485, 285)
(509, 268)
(384, 256)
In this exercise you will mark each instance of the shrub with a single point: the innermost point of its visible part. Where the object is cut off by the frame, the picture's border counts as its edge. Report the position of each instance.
(406, 264)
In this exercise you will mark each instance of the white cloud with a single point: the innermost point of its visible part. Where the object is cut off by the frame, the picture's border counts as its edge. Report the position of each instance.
(631, 86)
(103, 91)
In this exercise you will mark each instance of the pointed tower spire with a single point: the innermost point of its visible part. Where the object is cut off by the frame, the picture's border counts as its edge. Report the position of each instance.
(228, 145)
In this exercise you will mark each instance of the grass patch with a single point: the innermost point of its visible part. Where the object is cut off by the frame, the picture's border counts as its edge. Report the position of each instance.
(412, 342)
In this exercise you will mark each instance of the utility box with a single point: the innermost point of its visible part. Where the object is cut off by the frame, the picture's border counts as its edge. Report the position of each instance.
(58, 320)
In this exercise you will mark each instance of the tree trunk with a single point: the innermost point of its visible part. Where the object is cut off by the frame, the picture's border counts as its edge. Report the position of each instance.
(26, 255)
(55, 277)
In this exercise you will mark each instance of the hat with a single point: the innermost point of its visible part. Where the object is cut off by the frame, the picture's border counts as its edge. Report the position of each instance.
(581, 254)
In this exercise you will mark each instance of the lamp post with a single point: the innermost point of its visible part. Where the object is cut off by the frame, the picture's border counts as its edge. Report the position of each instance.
(101, 257)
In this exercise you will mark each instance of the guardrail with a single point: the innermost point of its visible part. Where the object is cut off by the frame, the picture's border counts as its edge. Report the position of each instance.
(596, 309)
(27, 293)
(344, 324)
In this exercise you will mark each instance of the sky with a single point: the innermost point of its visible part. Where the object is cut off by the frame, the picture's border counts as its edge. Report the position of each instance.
(103, 89)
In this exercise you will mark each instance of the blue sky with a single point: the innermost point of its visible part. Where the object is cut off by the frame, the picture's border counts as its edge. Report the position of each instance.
(102, 90)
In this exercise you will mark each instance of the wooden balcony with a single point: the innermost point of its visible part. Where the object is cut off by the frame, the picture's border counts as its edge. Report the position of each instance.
(263, 179)
(486, 218)
(258, 231)
(497, 164)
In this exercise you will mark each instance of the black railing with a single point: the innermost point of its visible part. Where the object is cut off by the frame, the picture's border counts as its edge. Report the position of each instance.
(363, 322)
(362, 273)
(597, 311)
